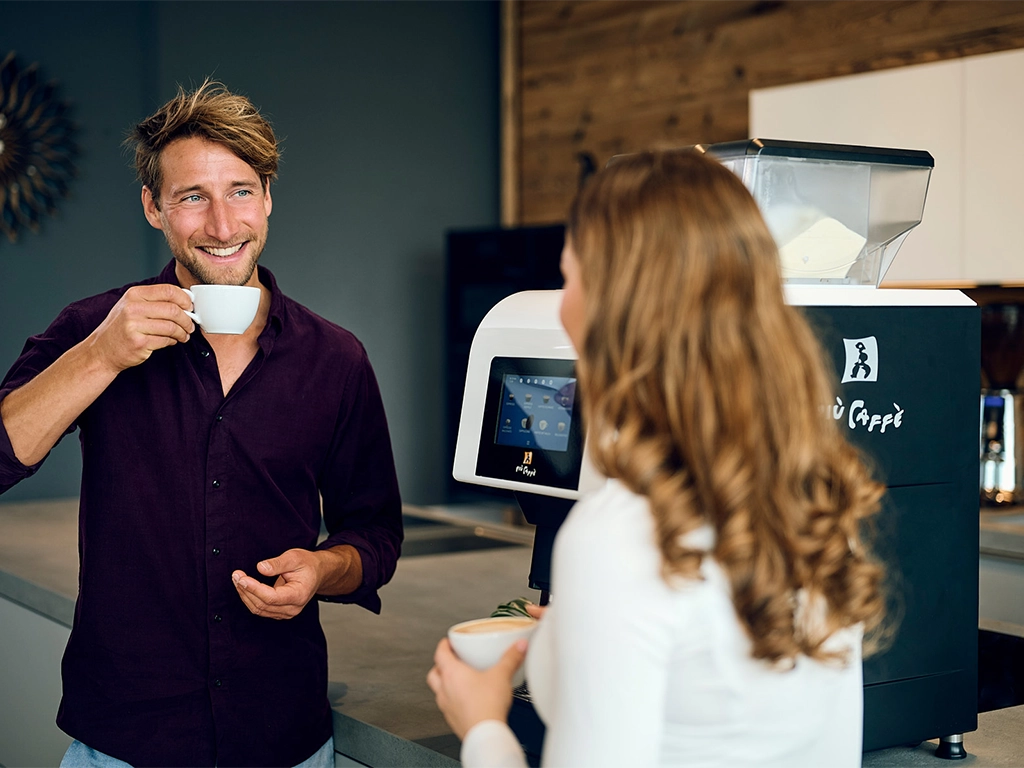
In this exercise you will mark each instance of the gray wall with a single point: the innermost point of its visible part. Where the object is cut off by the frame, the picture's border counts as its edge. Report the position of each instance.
(97, 238)
(389, 117)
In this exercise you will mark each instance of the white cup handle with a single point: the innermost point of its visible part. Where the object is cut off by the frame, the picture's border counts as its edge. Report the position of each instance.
(192, 296)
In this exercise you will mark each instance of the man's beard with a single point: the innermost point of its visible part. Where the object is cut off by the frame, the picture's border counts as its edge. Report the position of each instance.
(207, 274)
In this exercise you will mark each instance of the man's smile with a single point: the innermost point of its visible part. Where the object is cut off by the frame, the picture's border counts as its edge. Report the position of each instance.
(229, 251)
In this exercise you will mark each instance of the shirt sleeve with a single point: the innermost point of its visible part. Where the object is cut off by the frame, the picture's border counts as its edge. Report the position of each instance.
(38, 354)
(612, 643)
(491, 744)
(362, 506)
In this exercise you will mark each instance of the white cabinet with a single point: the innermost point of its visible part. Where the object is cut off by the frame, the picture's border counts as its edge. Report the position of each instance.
(965, 112)
(994, 167)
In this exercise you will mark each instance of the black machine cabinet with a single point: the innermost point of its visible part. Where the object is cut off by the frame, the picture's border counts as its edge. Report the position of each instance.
(910, 403)
(924, 686)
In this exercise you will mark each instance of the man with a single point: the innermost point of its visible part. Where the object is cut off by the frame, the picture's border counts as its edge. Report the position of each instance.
(206, 462)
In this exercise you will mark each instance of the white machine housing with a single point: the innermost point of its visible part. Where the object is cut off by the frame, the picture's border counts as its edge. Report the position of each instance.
(523, 326)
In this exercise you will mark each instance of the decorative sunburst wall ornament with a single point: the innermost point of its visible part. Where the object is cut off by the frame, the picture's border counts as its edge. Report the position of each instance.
(37, 148)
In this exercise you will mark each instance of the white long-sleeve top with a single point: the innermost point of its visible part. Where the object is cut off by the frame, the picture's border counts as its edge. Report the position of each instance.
(626, 670)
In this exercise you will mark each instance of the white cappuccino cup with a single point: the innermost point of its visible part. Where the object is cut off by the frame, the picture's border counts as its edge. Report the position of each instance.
(223, 308)
(481, 642)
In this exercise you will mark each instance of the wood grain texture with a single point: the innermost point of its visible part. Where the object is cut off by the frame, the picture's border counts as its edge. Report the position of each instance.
(608, 76)
(511, 116)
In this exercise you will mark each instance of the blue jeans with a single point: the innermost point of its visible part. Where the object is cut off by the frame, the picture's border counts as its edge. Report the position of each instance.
(81, 756)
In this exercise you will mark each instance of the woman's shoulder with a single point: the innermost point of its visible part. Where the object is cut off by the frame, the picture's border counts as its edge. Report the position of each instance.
(615, 513)
(612, 510)
(609, 534)
(615, 519)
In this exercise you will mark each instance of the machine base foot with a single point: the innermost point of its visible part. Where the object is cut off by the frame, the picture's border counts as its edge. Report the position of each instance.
(951, 747)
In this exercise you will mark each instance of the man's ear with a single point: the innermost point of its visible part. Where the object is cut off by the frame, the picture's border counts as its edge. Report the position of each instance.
(268, 203)
(150, 208)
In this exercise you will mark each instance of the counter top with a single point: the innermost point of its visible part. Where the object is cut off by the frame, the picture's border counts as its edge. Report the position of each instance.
(384, 712)
(1002, 532)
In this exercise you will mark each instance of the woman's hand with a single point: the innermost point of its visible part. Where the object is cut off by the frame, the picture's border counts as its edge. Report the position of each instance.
(537, 611)
(467, 697)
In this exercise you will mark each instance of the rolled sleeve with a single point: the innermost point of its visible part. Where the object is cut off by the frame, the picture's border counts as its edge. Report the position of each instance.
(12, 471)
(38, 354)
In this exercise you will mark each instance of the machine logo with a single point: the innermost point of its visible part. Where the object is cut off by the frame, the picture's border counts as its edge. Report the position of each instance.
(528, 457)
(861, 359)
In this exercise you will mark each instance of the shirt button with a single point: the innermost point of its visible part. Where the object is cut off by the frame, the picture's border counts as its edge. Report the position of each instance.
(216, 483)
(217, 683)
(219, 417)
(216, 550)
(216, 617)
(204, 352)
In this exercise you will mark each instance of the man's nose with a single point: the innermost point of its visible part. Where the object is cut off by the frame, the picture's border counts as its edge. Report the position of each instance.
(220, 222)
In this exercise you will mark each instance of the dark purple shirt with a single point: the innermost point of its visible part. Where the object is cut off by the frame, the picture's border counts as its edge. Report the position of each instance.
(181, 486)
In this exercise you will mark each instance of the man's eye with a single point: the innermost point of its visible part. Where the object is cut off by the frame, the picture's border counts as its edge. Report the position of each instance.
(244, 192)
(192, 199)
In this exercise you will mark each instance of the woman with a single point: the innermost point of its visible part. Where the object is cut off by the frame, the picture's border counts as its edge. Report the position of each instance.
(709, 601)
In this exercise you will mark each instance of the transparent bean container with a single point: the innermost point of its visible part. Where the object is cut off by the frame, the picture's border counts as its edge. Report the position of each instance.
(838, 213)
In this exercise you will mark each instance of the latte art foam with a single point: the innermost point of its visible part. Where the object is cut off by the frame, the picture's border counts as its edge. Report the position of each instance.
(494, 625)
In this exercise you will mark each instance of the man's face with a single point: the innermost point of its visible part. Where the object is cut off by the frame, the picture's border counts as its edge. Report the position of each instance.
(213, 212)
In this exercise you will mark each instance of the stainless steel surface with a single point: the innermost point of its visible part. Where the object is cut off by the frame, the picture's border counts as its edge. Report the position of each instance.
(1002, 451)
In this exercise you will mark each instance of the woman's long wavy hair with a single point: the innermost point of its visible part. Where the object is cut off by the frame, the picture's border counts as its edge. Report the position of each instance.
(705, 392)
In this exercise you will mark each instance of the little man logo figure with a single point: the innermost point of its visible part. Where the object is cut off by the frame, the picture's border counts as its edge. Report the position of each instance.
(861, 359)
(528, 457)
(862, 362)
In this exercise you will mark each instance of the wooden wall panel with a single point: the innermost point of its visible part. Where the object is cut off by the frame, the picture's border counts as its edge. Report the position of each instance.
(602, 77)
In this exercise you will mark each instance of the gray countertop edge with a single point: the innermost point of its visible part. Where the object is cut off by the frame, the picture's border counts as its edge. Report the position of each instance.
(1001, 535)
(371, 745)
(41, 600)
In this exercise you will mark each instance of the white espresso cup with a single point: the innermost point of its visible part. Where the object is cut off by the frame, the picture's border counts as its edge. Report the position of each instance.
(482, 642)
(223, 308)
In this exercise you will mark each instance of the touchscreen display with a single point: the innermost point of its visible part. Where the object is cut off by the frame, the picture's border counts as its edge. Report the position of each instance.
(532, 430)
(536, 411)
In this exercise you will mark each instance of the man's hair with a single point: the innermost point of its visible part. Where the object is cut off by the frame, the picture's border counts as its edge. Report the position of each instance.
(704, 391)
(210, 112)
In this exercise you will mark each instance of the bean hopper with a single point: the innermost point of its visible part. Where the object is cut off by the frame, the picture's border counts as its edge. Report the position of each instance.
(906, 364)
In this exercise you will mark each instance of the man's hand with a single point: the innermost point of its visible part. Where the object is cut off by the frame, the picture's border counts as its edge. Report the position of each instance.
(146, 318)
(301, 575)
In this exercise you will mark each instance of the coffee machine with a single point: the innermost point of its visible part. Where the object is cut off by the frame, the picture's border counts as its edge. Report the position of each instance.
(521, 428)
(1002, 405)
(906, 363)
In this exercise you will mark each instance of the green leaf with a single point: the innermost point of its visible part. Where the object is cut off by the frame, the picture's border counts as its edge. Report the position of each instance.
(516, 607)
